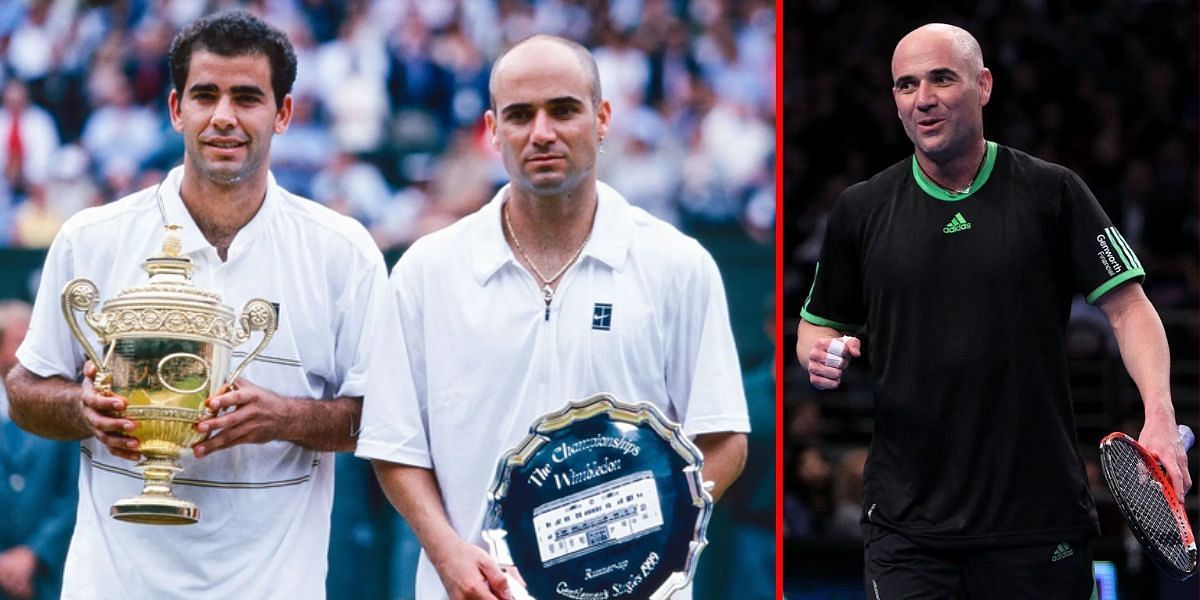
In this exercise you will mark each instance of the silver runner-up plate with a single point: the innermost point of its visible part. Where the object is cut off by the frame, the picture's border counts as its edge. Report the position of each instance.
(603, 499)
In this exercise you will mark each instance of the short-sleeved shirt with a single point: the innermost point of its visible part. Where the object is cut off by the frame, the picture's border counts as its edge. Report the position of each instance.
(964, 299)
(641, 315)
(264, 508)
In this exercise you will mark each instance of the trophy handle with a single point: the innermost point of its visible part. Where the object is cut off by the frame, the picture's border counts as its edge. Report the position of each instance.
(81, 294)
(257, 315)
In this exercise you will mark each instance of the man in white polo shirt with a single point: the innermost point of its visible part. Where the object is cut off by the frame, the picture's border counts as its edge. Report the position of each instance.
(264, 481)
(555, 290)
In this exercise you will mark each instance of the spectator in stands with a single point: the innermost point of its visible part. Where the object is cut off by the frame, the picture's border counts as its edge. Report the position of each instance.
(31, 52)
(70, 186)
(673, 67)
(121, 135)
(459, 54)
(353, 70)
(352, 187)
(304, 149)
(37, 488)
(146, 64)
(36, 220)
(624, 70)
(28, 138)
(416, 81)
(646, 163)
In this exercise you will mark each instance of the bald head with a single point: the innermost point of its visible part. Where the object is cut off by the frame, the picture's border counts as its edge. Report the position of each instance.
(536, 45)
(962, 46)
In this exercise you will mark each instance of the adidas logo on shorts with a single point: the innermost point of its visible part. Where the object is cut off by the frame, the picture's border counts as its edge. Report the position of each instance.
(1060, 552)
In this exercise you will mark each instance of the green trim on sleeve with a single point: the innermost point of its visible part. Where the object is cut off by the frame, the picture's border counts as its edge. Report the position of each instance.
(937, 191)
(823, 322)
(1114, 282)
(808, 298)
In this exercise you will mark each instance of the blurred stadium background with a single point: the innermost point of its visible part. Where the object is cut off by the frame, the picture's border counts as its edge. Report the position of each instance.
(388, 128)
(1108, 89)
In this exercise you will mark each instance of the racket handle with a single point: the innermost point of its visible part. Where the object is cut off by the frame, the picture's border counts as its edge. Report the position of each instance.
(1186, 437)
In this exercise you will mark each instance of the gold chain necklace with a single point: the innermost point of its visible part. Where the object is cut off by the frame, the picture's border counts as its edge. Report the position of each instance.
(952, 191)
(547, 289)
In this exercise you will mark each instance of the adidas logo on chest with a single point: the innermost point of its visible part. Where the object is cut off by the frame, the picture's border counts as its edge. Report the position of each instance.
(957, 224)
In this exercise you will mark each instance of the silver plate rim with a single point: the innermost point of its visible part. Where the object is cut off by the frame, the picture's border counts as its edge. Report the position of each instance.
(636, 413)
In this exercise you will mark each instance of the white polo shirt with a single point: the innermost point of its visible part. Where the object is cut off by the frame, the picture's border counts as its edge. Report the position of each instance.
(473, 359)
(264, 509)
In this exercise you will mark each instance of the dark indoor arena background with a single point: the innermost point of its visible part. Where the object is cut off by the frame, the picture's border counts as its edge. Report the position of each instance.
(1108, 89)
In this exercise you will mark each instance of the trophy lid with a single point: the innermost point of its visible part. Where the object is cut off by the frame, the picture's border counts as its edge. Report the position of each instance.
(169, 303)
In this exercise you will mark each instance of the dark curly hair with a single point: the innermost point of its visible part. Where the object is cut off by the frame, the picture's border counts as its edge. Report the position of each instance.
(235, 33)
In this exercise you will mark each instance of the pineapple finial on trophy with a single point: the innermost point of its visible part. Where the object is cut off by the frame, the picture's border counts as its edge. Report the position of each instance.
(171, 266)
(171, 241)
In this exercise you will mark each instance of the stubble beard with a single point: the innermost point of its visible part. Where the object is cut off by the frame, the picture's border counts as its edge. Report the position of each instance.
(941, 148)
(215, 172)
(556, 184)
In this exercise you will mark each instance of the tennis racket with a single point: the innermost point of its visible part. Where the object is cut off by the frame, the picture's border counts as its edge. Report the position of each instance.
(1144, 493)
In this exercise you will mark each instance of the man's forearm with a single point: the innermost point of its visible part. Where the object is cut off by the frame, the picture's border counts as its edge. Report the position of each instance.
(724, 458)
(1143, 345)
(414, 492)
(325, 426)
(46, 406)
(1147, 358)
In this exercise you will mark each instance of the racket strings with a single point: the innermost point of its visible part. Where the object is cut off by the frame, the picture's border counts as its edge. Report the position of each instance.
(1139, 492)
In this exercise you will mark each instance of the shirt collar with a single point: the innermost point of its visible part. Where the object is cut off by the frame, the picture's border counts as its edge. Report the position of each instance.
(192, 240)
(612, 230)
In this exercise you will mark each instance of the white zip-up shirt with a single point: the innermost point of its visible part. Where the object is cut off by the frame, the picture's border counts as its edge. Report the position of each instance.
(473, 357)
(264, 509)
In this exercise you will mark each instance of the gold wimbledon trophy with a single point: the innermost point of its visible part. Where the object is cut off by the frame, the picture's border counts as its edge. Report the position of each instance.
(167, 347)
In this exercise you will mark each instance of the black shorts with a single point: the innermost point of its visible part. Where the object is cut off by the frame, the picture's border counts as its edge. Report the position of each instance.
(898, 569)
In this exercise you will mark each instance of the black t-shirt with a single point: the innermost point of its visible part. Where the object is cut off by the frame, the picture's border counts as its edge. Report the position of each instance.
(965, 299)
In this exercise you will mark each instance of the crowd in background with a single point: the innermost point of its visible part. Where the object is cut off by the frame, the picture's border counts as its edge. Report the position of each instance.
(387, 128)
(1107, 89)
(388, 103)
